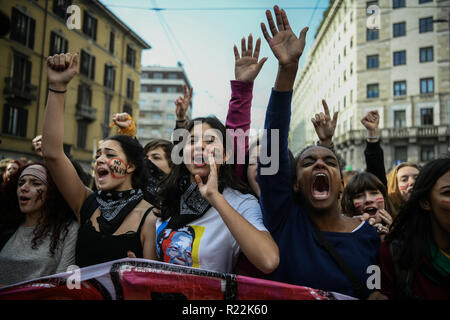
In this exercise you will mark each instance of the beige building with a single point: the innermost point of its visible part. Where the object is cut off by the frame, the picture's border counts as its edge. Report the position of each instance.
(160, 87)
(400, 69)
(107, 82)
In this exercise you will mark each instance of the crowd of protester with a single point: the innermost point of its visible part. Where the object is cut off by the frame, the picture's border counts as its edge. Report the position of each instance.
(309, 224)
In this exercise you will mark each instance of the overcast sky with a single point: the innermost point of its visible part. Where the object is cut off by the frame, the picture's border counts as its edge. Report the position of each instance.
(201, 35)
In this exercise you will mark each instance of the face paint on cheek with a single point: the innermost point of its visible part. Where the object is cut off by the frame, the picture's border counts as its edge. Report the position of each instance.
(358, 204)
(445, 202)
(40, 195)
(403, 188)
(118, 168)
(379, 200)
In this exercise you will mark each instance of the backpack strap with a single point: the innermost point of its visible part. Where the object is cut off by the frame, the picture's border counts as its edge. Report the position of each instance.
(360, 291)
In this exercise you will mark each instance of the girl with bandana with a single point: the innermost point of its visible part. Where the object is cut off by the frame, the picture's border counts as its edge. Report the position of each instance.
(207, 215)
(38, 228)
(115, 220)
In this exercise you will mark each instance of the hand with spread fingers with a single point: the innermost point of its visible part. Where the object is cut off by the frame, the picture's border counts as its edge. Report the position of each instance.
(182, 104)
(325, 125)
(61, 69)
(284, 44)
(382, 220)
(211, 189)
(246, 64)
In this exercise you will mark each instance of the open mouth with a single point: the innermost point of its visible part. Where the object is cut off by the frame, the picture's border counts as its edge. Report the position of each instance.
(198, 161)
(320, 186)
(371, 211)
(102, 173)
(23, 199)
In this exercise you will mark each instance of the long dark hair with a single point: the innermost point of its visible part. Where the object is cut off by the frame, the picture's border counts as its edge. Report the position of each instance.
(56, 218)
(135, 155)
(171, 193)
(359, 183)
(412, 227)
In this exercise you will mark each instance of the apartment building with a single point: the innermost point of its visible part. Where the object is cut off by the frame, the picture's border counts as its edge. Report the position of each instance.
(160, 87)
(107, 82)
(401, 68)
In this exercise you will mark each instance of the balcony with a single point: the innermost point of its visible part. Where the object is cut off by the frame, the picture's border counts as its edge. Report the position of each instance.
(85, 112)
(19, 91)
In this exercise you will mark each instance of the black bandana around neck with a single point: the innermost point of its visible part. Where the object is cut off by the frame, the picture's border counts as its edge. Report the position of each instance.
(192, 204)
(154, 177)
(115, 206)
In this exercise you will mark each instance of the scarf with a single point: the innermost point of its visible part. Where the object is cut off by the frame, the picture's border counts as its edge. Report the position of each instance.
(154, 177)
(115, 206)
(192, 205)
(440, 263)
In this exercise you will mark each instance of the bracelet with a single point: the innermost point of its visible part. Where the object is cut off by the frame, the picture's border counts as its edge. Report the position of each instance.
(373, 138)
(56, 91)
(180, 120)
(331, 146)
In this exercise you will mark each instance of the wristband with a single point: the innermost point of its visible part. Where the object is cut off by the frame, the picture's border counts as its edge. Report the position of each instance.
(56, 91)
(373, 138)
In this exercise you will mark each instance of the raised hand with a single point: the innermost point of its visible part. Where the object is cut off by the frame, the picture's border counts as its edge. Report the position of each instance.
(324, 125)
(284, 44)
(122, 120)
(182, 104)
(211, 188)
(37, 145)
(371, 120)
(246, 65)
(61, 68)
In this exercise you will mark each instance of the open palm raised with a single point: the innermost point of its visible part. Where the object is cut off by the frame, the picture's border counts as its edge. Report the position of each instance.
(284, 44)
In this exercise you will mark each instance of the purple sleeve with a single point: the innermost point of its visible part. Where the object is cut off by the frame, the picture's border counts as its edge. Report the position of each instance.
(238, 117)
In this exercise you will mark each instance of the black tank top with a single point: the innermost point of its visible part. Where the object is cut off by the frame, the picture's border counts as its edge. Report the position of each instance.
(95, 247)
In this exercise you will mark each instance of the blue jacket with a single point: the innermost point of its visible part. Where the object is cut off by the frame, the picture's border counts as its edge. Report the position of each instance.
(302, 260)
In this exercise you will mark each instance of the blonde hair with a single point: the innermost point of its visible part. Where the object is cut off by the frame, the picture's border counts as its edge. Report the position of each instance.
(394, 194)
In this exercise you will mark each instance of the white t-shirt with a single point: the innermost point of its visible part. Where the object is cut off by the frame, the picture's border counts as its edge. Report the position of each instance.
(206, 243)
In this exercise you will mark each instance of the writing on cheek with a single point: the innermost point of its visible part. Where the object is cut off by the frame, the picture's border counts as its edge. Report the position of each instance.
(117, 167)
(379, 200)
(358, 204)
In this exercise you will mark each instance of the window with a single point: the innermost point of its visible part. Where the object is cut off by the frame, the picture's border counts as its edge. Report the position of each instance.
(172, 89)
(372, 62)
(84, 95)
(60, 7)
(22, 28)
(399, 29)
(399, 88)
(110, 77)
(399, 118)
(82, 134)
(130, 89)
(399, 58)
(106, 115)
(401, 153)
(371, 3)
(170, 116)
(173, 76)
(424, 1)
(112, 40)
(345, 101)
(371, 34)
(15, 120)
(426, 85)
(157, 75)
(87, 66)
(131, 56)
(156, 103)
(426, 153)
(57, 44)
(128, 109)
(426, 54)
(426, 24)
(372, 91)
(21, 71)
(157, 89)
(426, 116)
(89, 25)
(156, 116)
(398, 4)
(351, 67)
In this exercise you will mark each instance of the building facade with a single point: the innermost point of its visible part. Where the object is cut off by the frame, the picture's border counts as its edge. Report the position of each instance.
(400, 69)
(160, 87)
(107, 81)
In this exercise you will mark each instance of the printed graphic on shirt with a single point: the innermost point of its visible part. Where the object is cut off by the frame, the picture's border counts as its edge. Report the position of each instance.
(180, 246)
